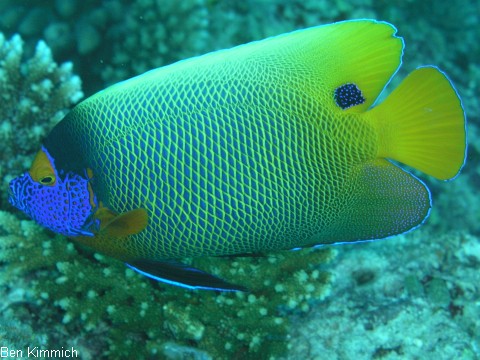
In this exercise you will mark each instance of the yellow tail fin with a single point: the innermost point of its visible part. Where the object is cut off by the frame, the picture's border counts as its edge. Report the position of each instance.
(422, 124)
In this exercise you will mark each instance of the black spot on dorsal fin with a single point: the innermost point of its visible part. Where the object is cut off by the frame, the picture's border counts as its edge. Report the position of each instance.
(348, 95)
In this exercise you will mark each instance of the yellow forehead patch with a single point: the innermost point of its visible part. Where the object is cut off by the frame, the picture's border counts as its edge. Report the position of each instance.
(42, 170)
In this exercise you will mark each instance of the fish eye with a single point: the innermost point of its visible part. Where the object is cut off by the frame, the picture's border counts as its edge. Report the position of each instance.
(47, 180)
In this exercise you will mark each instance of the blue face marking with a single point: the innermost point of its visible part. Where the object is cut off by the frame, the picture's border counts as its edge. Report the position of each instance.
(348, 95)
(65, 207)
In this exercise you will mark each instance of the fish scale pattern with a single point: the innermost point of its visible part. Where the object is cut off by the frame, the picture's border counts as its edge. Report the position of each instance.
(228, 153)
(275, 144)
(221, 167)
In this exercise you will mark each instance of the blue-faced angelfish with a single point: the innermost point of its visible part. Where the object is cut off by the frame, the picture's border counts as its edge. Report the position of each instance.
(276, 144)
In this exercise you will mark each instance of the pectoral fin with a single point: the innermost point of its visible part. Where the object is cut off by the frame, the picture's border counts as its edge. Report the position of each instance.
(175, 273)
(125, 224)
(111, 234)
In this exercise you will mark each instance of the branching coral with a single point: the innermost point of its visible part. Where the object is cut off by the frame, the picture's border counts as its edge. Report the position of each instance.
(156, 33)
(121, 313)
(98, 305)
(36, 93)
(113, 40)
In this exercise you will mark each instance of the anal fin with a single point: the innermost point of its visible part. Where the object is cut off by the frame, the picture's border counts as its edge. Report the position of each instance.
(382, 200)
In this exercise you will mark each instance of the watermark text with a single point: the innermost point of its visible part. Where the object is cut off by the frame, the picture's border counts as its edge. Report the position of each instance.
(37, 352)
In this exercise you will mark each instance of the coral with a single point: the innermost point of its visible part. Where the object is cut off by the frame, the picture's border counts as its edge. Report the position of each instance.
(122, 313)
(420, 301)
(417, 296)
(36, 93)
(79, 32)
(174, 351)
(113, 40)
(157, 33)
(15, 334)
(455, 200)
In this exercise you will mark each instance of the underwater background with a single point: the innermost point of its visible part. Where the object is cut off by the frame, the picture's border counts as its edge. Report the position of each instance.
(412, 296)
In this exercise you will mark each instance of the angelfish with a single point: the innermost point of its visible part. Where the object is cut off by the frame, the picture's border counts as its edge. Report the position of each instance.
(276, 144)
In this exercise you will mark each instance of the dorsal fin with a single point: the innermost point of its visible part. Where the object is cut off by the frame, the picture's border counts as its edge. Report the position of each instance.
(316, 61)
(364, 53)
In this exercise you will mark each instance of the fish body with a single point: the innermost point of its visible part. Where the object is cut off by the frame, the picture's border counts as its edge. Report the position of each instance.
(271, 145)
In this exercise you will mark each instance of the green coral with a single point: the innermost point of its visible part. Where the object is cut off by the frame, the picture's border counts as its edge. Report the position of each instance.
(135, 315)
